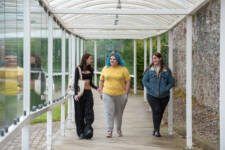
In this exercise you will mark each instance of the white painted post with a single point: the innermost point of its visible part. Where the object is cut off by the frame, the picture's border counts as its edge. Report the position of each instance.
(50, 81)
(145, 65)
(158, 44)
(26, 75)
(135, 67)
(63, 58)
(73, 71)
(82, 47)
(189, 82)
(70, 75)
(222, 75)
(150, 51)
(78, 51)
(170, 105)
(95, 61)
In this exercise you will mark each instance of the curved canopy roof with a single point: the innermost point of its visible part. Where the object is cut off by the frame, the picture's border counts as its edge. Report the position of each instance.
(119, 19)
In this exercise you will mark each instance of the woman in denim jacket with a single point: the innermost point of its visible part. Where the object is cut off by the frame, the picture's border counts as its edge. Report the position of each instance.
(158, 81)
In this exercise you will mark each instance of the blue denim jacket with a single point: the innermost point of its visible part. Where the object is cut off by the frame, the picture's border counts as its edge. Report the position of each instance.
(158, 86)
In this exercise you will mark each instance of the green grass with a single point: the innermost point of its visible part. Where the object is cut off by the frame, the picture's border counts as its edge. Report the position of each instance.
(56, 115)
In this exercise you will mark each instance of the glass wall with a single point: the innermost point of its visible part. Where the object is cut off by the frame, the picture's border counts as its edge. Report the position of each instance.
(11, 58)
(39, 55)
(57, 52)
(105, 47)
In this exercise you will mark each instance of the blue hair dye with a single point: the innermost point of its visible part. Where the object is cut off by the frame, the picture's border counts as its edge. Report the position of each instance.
(118, 59)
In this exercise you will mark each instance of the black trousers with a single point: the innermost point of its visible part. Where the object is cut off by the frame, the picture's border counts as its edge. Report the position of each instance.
(84, 113)
(158, 106)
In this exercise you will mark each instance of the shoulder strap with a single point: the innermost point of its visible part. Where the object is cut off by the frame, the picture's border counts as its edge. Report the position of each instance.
(80, 72)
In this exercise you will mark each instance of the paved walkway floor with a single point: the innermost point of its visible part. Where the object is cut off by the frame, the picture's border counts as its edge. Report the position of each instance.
(37, 137)
(137, 130)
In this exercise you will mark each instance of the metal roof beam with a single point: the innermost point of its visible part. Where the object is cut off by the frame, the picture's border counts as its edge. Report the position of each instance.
(121, 11)
(118, 27)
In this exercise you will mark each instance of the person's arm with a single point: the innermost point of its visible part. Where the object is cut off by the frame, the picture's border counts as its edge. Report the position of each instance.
(91, 83)
(127, 86)
(127, 80)
(101, 83)
(76, 78)
(170, 80)
(145, 79)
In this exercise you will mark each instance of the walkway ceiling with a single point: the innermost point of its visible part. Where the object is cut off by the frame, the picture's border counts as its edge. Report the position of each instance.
(119, 19)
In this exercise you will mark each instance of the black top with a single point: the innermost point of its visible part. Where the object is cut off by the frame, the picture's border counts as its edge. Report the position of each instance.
(85, 76)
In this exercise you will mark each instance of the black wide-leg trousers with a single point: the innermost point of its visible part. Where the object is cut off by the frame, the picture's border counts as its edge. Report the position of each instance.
(158, 106)
(84, 113)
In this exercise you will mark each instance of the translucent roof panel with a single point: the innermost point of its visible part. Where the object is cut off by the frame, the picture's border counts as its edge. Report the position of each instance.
(96, 19)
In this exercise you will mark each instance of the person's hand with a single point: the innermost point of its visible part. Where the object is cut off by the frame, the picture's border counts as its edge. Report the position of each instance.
(126, 96)
(42, 97)
(99, 90)
(76, 98)
(100, 93)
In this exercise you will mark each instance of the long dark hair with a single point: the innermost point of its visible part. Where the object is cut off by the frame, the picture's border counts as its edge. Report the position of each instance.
(162, 64)
(83, 62)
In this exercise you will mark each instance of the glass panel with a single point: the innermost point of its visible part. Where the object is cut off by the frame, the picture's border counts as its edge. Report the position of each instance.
(105, 47)
(57, 34)
(11, 56)
(39, 55)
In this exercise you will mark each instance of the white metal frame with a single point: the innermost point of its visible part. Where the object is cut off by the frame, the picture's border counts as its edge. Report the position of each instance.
(121, 11)
(78, 50)
(189, 82)
(150, 50)
(26, 81)
(81, 47)
(222, 76)
(145, 66)
(50, 81)
(158, 44)
(74, 64)
(63, 59)
(95, 62)
(170, 105)
(135, 66)
(69, 118)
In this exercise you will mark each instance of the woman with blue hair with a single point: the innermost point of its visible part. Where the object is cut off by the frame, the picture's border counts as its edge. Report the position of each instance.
(114, 87)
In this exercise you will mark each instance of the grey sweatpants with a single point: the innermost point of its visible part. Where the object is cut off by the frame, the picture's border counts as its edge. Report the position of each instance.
(113, 107)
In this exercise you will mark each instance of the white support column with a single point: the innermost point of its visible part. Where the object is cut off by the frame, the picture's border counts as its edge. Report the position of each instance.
(63, 58)
(69, 118)
(50, 81)
(26, 75)
(145, 65)
(95, 61)
(222, 75)
(78, 50)
(81, 47)
(158, 44)
(170, 105)
(189, 82)
(73, 70)
(73, 55)
(135, 67)
(150, 51)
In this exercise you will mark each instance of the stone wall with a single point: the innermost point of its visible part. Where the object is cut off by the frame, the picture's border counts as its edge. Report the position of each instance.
(205, 73)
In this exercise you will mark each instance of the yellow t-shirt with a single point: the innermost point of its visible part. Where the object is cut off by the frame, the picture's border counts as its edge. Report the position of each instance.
(114, 80)
(11, 80)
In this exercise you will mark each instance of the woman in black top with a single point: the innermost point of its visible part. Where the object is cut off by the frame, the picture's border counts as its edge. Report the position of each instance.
(84, 113)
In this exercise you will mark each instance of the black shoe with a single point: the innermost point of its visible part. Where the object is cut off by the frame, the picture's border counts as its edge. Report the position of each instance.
(89, 134)
(157, 133)
(82, 136)
(153, 132)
